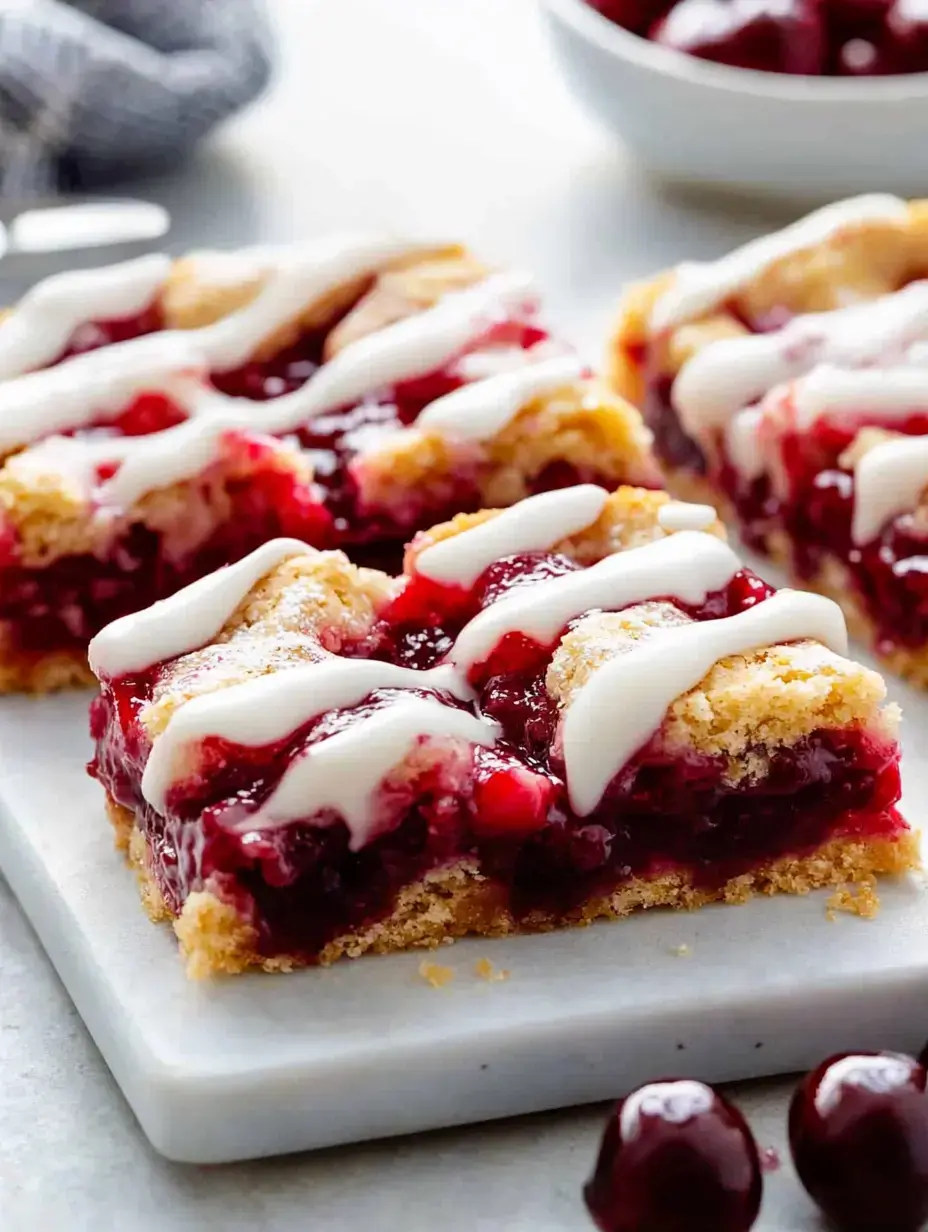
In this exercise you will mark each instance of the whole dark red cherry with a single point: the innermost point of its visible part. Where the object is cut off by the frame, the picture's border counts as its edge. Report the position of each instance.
(675, 1157)
(858, 1132)
(634, 15)
(775, 36)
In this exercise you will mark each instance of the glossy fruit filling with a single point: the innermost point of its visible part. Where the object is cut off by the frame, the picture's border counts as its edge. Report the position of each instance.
(61, 605)
(835, 38)
(813, 506)
(302, 885)
(92, 335)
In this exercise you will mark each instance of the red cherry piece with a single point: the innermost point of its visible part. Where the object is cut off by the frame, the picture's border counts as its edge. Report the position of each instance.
(776, 36)
(677, 1157)
(858, 1132)
(634, 15)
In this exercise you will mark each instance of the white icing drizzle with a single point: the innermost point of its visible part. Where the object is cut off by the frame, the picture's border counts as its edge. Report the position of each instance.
(626, 698)
(403, 351)
(478, 411)
(886, 392)
(343, 771)
(408, 349)
(296, 278)
(39, 328)
(530, 526)
(188, 619)
(265, 710)
(99, 385)
(888, 480)
(891, 476)
(700, 286)
(743, 444)
(613, 714)
(75, 393)
(689, 565)
(681, 515)
(164, 458)
(731, 373)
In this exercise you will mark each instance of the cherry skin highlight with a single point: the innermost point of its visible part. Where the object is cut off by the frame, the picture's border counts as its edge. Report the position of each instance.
(675, 1157)
(766, 35)
(907, 34)
(858, 1133)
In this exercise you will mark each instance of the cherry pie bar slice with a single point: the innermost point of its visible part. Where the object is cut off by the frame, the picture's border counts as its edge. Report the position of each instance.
(159, 420)
(788, 383)
(567, 710)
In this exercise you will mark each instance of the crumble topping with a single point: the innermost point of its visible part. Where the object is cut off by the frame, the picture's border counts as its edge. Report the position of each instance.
(303, 611)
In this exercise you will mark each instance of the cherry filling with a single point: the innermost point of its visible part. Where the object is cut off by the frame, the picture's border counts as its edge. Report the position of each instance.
(889, 574)
(92, 335)
(64, 603)
(302, 885)
(814, 507)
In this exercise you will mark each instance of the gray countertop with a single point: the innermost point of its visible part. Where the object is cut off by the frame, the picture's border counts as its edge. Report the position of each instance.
(424, 115)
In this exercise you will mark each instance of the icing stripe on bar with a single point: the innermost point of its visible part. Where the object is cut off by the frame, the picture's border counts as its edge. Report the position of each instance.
(478, 411)
(40, 326)
(98, 385)
(732, 373)
(400, 352)
(700, 286)
(880, 391)
(612, 716)
(264, 710)
(403, 351)
(299, 277)
(343, 772)
(625, 700)
(532, 525)
(888, 480)
(681, 515)
(689, 565)
(187, 620)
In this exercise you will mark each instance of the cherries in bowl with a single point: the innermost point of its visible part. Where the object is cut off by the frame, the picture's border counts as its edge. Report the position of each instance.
(852, 38)
(800, 99)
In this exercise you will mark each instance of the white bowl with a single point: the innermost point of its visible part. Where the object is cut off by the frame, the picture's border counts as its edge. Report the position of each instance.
(691, 120)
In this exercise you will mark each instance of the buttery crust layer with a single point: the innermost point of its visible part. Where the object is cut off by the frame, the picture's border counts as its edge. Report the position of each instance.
(458, 901)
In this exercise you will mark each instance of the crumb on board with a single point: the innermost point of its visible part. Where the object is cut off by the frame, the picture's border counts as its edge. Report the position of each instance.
(681, 951)
(435, 974)
(859, 899)
(484, 970)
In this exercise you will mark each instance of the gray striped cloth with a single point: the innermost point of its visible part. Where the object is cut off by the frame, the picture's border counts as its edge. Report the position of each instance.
(92, 90)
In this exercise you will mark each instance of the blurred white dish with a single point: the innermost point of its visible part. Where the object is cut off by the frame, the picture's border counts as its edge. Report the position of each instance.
(688, 119)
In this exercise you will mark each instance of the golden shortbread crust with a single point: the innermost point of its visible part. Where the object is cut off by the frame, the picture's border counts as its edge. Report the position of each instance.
(458, 901)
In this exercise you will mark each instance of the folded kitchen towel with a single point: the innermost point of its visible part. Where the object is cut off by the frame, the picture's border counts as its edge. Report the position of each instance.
(95, 89)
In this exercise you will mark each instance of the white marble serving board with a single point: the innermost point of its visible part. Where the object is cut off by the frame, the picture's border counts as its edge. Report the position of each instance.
(260, 1065)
